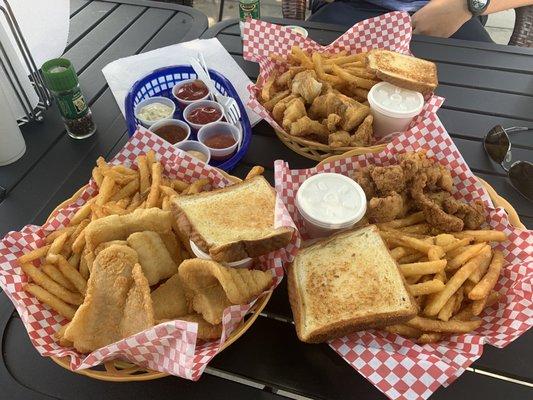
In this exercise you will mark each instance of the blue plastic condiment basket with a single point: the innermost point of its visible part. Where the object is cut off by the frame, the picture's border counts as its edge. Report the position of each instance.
(160, 83)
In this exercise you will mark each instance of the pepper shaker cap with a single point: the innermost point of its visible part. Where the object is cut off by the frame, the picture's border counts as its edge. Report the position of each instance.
(59, 74)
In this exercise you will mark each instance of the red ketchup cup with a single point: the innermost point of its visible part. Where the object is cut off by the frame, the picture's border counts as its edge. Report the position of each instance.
(202, 113)
(190, 91)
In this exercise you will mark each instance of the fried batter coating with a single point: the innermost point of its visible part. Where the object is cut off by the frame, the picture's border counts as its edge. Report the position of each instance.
(326, 104)
(339, 139)
(385, 209)
(353, 117)
(279, 108)
(307, 127)
(388, 179)
(332, 121)
(294, 111)
(363, 178)
(364, 134)
(306, 85)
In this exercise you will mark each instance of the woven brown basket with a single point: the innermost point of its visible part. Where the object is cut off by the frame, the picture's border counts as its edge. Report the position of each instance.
(318, 151)
(498, 201)
(122, 371)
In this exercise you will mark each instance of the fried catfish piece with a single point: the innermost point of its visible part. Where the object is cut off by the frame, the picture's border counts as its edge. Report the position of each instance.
(97, 321)
(473, 215)
(155, 260)
(331, 122)
(294, 111)
(364, 134)
(214, 287)
(279, 109)
(138, 310)
(353, 116)
(169, 299)
(339, 139)
(206, 331)
(119, 227)
(325, 105)
(364, 179)
(388, 208)
(306, 85)
(306, 127)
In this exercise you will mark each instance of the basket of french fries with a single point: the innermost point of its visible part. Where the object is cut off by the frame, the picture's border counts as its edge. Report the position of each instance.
(132, 274)
(315, 97)
(459, 254)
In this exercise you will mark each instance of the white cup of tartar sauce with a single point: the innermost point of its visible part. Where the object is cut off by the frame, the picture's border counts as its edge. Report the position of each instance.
(393, 108)
(330, 202)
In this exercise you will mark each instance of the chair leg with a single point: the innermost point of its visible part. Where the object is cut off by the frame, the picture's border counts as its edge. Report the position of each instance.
(221, 11)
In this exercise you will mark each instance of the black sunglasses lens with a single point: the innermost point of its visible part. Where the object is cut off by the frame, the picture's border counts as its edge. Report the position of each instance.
(497, 144)
(521, 176)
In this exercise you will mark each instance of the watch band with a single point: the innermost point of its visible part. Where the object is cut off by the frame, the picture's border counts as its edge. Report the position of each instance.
(477, 7)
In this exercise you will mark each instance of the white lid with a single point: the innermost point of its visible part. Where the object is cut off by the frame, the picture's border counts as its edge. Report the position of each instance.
(394, 101)
(331, 200)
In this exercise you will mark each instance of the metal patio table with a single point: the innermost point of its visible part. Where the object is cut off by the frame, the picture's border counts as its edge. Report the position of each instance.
(483, 85)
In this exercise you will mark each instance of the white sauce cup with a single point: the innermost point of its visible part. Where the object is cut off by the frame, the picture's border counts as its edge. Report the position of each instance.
(187, 145)
(393, 108)
(244, 263)
(158, 99)
(329, 203)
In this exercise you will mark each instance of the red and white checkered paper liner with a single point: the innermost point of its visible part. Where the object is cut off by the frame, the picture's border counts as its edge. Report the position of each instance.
(397, 366)
(390, 31)
(168, 347)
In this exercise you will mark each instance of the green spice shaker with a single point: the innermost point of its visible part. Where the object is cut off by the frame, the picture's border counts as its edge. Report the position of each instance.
(61, 79)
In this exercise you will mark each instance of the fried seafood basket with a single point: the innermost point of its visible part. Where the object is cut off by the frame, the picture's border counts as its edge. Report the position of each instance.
(270, 46)
(122, 371)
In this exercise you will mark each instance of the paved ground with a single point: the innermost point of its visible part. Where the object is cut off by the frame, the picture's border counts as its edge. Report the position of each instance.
(499, 25)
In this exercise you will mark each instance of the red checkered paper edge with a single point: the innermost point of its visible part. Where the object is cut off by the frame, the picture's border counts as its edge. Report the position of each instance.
(399, 367)
(260, 38)
(168, 347)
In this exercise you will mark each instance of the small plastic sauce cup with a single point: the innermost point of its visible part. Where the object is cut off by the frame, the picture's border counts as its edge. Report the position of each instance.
(298, 30)
(201, 104)
(188, 145)
(217, 129)
(184, 103)
(393, 108)
(330, 202)
(244, 263)
(158, 99)
(171, 122)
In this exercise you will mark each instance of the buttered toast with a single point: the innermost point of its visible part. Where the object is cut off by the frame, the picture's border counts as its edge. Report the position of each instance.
(346, 283)
(232, 223)
(402, 70)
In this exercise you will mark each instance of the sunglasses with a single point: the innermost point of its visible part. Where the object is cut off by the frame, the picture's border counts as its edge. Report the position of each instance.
(498, 147)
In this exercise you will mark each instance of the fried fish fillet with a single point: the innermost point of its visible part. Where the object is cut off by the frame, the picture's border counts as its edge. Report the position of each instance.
(97, 321)
(206, 331)
(169, 299)
(138, 311)
(119, 227)
(214, 287)
(155, 260)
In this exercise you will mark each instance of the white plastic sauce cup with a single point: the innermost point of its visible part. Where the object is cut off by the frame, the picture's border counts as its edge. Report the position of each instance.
(187, 145)
(393, 108)
(157, 99)
(198, 104)
(184, 103)
(220, 128)
(244, 263)
(330, 202)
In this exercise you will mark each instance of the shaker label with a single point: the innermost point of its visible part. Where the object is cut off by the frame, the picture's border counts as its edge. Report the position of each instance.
(250, 9)
(72, 105)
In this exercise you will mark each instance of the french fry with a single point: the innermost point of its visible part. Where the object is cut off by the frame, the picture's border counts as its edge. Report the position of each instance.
(179, 185)
(124, 170)
(84, 269)
(483, 235)
(267, 88)
(432, 286)
(79, 243)
(301, 57)
(124, 202)
(463, 257)
(118, 177)
(33, 254)
(347, 59)
(412, 258)
(153, 195)
(197, 186)
(402, 222)
(52, 236)
(466, 313)
(400, 251)
(456, 281)
(50, 300)
(445, 239)
(51, 285)
(403, 330)
(113, 209)
(56, 247)
(168, 191)
(82, 213)
(127, 190)
(456, 245)
(459, 296)
(342, 74)
(446, 312)
(256, 170)
(422, 268)
(429, 337)
(135, 202)
(150, 158)
(144, 174)
(452, 326)
(106, 191)
(74, 260)
(485, 255)
(72, 274)
(435, 253)
(485, 285)
(422, 229)
(97, 176)
(52, 271)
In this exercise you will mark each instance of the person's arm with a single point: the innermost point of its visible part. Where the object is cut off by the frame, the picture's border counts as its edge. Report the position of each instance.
(442, 18)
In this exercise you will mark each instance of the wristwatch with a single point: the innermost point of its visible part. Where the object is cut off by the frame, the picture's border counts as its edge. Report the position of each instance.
(477, 7)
